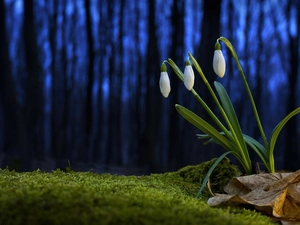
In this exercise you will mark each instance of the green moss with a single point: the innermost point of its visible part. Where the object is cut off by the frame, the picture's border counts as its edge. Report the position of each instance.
(218, 179)
(38, 198)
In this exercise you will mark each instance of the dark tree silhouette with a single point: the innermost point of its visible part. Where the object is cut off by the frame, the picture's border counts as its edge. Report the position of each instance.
(136, 112)
(12, 126)
(60, 98)
(33, 107)
(152, 104)
(210, 31)
(291, 151)
(56, 112)
(99, 147)
(115, 91)
(175, 150)
(259, 82)
(91, 80)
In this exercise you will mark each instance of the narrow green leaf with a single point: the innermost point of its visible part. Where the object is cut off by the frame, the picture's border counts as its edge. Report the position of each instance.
(237, 131)
(217, 137)
(259, 149)
(202, 125)
(180, 75)
(252, 142)
(210, 172)
(233, 52)
(213, 95)
(230, 112)
(279, 127)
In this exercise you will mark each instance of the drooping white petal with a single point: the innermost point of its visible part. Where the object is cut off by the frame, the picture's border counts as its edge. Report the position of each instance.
(164, 84)
(219, 64)
(189, 77)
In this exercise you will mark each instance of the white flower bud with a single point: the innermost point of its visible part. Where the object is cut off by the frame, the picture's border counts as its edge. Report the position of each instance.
(164, 84)
(189, 76)
(219, 64)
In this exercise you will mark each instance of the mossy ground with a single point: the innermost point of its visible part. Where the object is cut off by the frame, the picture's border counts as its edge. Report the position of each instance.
(38, 198)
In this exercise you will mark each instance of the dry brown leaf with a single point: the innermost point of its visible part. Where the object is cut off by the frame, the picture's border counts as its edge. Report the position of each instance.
(277, 195)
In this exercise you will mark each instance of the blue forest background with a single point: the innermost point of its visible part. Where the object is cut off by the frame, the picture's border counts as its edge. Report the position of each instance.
(79, 80)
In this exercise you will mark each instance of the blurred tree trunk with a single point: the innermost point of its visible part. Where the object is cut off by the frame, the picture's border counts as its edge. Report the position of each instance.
(136, 112)
(99, 150)
(230, 62)
(257, 85)
(110, 110)
(13, 124)
(243, 112)
(148, 151)
(56, 91)
(175, 151)
(119, 90)
(68, 116)
(89, 96)
(258, 91)
(60, 93)
(33, 108)
(74, 95)
(292, 151)
(210, 31)
(115, 89)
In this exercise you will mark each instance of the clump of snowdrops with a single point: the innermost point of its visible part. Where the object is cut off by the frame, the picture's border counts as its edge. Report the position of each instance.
(228, 134)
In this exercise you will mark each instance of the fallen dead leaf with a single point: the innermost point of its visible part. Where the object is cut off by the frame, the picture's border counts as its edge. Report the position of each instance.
(277, 194)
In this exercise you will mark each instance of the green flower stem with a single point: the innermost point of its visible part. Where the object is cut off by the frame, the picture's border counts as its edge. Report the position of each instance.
(260, 127)
(240, 143)
(179, 73)
(243, 153)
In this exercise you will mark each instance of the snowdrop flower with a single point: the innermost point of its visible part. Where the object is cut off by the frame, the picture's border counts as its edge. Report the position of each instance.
(164, 81)
(219, 61)
(189, 76)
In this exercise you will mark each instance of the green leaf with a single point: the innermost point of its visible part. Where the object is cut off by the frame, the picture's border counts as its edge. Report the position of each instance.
(203, 136)
(211, 169)
(202, 125)
(230, 112)
(214, 134)
(237, 131)
(259, 150)
(180, 74)
(256, 145)
(279, 127)
(233, 52)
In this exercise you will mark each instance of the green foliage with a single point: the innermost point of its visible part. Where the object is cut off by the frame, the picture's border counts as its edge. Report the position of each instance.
(219, 177)
(229, 135)
(38, 198)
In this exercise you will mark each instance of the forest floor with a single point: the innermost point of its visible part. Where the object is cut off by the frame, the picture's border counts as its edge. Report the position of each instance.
(71, 197)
